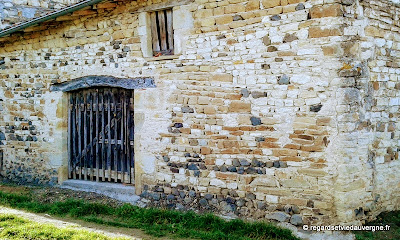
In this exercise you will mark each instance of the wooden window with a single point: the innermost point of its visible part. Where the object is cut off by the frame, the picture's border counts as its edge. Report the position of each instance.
(162, 32)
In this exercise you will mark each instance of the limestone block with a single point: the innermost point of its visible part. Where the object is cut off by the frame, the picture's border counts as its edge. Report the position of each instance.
(239, 106)
(334, 10)
(271, 3)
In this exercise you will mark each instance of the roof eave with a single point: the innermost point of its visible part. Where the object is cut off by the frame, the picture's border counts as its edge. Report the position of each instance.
(51, 16)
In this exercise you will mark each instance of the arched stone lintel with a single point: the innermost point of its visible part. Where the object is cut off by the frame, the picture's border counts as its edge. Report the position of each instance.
(103, 81)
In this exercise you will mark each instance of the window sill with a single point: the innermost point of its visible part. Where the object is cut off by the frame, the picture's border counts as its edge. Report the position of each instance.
(160, 58)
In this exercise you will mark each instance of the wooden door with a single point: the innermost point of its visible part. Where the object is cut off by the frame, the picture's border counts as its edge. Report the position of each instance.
(101, 131)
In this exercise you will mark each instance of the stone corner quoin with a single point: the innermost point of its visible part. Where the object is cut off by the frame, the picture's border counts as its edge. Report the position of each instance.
(285, 110)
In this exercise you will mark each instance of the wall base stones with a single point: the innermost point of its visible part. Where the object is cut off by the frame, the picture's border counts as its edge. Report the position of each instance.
(281, 110)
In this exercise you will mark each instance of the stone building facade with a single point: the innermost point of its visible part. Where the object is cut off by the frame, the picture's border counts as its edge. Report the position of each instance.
(277, 109)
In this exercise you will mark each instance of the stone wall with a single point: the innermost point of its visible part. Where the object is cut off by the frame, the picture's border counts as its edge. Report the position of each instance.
(368, 123)
(15, 11)
(271, 109)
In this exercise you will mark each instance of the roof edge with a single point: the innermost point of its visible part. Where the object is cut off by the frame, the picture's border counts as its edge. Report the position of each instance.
(44, 18)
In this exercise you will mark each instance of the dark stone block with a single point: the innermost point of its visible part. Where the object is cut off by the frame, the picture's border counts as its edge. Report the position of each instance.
(244, 92)
(203, 202)
(235, 162)
(208, 196)
(260, 205)
(187, 110)
(265, 66)
(193, 167)
(251, 196)
(103, 81)
(196, 173)
(315, 108)
(255, 163)
(244, 162)
(232, 169)
(272, 49)
(283, 80)
(251, 170)
(192, 193)
(275, 18)
(260, 139)
(178, 125)
(240, 202)
(156, 196)
(276, 164)
(255, 121)
(223, 168)
(2, 136)
(290, 37)
(170, 197)
(258, 94)
(299, 6)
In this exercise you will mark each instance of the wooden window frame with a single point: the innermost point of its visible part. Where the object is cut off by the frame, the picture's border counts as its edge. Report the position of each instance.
(162, 32)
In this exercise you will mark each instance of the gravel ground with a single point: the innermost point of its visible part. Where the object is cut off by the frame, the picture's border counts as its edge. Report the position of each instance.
(52, 194)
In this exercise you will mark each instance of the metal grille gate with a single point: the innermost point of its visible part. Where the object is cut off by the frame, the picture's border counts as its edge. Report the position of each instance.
(101, 131)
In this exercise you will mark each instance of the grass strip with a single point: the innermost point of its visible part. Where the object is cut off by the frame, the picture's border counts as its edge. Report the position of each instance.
(155, 222)
(13, 227)
(386, 218)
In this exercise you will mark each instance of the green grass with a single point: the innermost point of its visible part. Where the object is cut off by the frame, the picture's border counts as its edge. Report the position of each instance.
(155, 222)
(13, 227)
(387, 218)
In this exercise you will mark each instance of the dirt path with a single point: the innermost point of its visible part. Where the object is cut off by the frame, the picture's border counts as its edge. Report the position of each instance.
(46, 219)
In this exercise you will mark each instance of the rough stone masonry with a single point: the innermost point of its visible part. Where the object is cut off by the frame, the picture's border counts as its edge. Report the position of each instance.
(274, 109)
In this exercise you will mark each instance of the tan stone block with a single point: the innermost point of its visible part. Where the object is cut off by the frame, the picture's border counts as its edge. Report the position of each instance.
(237, 24)
(284, 2)
(205, 150)
(214, 190)
(293, 201)
(209, 110)
(334, 10)
(284, 152)
(243, 120)
(203, 100)
(118, 35)
(207, 22)
(312, 172)
(84, 12)
(317, 32)
(204, 13)
(275, 10)
(295, 1)
(219, 11)
(324, 121)
(225, 19)
(329, 50)
(192, 100)
(240, 107)
(265, 181)
(347, 187)
(274, 191)
(271, 3)
(235, 8)
(226, 176)
(289, 8)
(322, 205)
(373, 31)
(106, 5)
(295, 182)
(222, 77)
(290, 159)
(253, 5)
